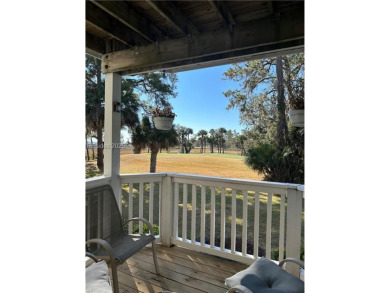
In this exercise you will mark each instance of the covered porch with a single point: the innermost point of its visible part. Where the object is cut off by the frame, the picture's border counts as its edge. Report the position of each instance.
(203, 217)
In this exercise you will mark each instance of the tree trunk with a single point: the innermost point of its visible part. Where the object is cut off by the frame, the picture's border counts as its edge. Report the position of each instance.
(100, 153)
(182, 144)
(281, 135)
(86, 147)
(93, 150)
(153, 157)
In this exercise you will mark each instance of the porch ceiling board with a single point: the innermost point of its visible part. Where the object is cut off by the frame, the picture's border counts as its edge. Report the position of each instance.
(169, 11)
(140, 36)
(130, 18)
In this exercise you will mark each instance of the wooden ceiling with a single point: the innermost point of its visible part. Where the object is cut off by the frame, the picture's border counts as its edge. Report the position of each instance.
(140, 36)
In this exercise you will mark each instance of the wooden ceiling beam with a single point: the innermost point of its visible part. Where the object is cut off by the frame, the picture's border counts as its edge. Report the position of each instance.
(173, 15)
(106, 23)
(130, 18)
(95, 46)
(249, 39)
(222, 10)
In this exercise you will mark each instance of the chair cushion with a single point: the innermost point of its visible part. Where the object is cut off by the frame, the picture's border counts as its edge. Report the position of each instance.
(264, 276)
(97, 278)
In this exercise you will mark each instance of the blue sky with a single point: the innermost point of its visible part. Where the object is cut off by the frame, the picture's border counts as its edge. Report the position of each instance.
(200, 103)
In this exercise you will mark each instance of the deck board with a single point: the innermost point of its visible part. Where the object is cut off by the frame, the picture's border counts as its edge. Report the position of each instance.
(182, 271)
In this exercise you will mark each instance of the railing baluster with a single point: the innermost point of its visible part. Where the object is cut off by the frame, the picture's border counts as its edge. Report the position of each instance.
(176, 211)
(159, 206)
(288, 221)
(269, 227)
(223, 217)
(244, 222)
(233, 229)
(141, 207)
(202, 214)
(193, 214)
(184, 221)
(151, 201)
(256, 226)
(282, 226)
(131, 207)
(212, 218)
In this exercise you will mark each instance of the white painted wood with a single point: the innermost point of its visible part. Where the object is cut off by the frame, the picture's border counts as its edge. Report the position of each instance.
(256, 226)
(167, 201)
(160, 206)
(176, 211)
(166, 229)
(223, 217)
(151, 201)
(131, 205)
(227, 254)
(96, 182)
(282, 226)
(185, 203)
(112, 129)
(233, 223)
(193, 214)
(202, 214)
(135, 178)
(293, 234)
(244, 222)
(141, 206)
(250, 185)
(269, 227)
(212, 218)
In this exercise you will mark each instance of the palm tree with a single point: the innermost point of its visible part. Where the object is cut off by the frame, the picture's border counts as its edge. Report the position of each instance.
(222, 131)
(145, 135)
(211, 140)
(202, 134)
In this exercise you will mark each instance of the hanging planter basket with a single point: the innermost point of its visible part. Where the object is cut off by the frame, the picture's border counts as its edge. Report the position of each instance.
(297, 117)
(163, 123)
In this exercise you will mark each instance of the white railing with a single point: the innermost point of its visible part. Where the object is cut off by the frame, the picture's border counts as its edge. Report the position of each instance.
(223, 212)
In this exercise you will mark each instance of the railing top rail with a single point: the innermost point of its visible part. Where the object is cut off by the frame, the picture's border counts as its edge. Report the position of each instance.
(142, 176)
(96, 181)
(213, 179)
(236, 181)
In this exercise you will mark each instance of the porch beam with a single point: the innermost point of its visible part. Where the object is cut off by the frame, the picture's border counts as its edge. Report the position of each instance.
(112, 129)
(247, 40)
(173, 15)
(130, 18)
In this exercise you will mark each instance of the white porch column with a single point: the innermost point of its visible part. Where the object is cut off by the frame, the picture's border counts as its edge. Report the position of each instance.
(166, 225)
(294, 224)
(112, 133)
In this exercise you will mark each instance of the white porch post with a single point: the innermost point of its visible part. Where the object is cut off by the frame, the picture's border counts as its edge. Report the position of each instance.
(293, 233)
(112, 129)
(166, 225)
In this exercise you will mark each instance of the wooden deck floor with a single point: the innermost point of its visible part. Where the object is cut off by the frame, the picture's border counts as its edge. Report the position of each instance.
(182, 271)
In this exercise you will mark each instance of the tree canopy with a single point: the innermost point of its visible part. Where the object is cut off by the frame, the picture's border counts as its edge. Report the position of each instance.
(267, 89)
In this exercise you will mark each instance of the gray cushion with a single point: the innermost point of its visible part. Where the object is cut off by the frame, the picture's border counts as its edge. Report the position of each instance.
(264, 276)
(97, 278)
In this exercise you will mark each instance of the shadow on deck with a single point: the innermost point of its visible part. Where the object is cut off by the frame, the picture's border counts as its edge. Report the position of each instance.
(182, 271)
